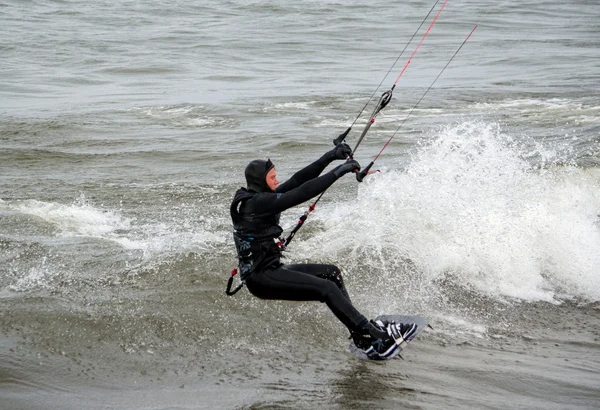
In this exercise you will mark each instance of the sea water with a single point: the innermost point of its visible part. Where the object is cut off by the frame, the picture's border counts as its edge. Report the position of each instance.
(125, 128)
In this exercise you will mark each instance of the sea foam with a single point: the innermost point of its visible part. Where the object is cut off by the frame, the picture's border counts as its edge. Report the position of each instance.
(469, 208)
(76, 219)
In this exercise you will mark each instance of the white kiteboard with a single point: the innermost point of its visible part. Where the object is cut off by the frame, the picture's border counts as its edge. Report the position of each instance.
(421, 323)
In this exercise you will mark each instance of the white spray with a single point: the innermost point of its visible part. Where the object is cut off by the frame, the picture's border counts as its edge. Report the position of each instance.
(470, 209)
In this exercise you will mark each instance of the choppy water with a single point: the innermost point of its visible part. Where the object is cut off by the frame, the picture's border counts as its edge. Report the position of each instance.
(124, 131)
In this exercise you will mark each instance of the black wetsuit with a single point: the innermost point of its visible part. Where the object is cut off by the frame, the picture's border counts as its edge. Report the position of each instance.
(255, 213)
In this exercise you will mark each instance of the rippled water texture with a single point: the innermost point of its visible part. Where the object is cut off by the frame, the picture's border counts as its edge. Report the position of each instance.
(124, 131)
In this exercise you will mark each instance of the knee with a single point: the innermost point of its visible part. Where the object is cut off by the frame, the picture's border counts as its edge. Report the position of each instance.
(334, 270)
(335, 275)
(330, 290)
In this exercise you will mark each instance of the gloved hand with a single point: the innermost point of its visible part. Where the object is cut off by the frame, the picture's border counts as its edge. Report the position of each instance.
(346, 167)
(341, 151)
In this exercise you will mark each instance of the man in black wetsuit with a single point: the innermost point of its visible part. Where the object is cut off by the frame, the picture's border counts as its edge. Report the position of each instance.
(255, 212)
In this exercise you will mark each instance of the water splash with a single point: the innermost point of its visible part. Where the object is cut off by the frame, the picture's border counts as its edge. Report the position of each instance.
(470, 209)
(37, 277)
(77, 219)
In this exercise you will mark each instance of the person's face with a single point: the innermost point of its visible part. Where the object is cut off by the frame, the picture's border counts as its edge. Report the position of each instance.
(272, 180)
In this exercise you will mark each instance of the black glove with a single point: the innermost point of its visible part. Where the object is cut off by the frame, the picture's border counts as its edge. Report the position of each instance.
(346, 167)
(341, 137)
(341, 151)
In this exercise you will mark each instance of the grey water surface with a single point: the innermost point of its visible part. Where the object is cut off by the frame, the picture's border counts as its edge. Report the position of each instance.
(125, 127)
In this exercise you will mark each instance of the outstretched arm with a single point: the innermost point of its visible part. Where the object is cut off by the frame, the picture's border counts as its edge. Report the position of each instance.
(305, 174)
(280, 201)
(341, 151)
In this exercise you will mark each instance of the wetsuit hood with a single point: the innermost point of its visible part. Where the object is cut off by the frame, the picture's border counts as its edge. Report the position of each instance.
(256, 175)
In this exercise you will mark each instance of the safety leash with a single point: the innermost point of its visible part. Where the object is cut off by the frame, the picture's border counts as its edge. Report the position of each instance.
(230, 283)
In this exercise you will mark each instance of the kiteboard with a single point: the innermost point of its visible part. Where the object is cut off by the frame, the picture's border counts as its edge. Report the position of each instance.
(421, 323)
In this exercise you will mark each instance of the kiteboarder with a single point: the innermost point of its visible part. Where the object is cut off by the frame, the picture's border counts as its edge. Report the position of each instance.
(255, 211)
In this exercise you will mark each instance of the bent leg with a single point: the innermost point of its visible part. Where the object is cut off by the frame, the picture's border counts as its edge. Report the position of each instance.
(289, 284)
(329, 272)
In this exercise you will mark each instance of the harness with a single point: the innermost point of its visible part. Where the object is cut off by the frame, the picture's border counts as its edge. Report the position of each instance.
(257, 239)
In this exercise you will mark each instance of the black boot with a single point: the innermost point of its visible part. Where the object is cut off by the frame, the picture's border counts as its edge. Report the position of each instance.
(383, 340)
(370, 332)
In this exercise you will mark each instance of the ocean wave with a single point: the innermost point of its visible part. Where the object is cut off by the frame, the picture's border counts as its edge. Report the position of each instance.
(578, 112)
(184, 115)
(79, 218)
